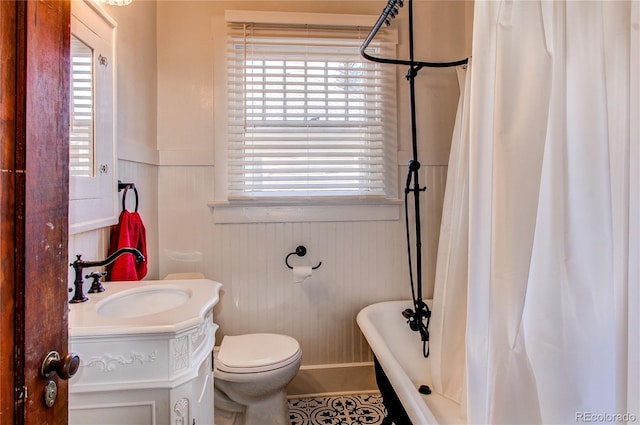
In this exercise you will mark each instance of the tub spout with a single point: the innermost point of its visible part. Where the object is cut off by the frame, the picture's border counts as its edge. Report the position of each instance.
(416, 320)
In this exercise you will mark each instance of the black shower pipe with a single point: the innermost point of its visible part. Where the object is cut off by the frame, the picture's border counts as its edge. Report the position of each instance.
(421, 310)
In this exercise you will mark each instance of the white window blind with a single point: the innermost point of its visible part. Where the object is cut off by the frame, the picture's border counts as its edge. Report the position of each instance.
(307, 115)
(81, 161)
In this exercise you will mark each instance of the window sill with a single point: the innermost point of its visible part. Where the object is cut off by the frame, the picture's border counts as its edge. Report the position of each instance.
(304, 211)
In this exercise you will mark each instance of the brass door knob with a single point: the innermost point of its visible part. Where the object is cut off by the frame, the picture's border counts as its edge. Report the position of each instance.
(64, 367)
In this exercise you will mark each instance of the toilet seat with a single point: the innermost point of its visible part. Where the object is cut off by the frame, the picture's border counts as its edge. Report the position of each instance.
(253, 353)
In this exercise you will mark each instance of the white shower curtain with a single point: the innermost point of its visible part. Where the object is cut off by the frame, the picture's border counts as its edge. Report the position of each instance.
(552, 293)
(449, 315)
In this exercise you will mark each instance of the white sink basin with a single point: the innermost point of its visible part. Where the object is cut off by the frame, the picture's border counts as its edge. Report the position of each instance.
(151, 306)
(143, 301)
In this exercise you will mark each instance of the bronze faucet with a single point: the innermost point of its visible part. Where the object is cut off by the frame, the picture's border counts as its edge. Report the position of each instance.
(79, 265)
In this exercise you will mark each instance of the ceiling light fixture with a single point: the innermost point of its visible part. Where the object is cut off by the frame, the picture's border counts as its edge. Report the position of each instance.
(116, 2)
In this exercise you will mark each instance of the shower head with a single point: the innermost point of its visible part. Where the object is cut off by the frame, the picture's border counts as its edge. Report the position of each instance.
(391, 11)
(388, 14)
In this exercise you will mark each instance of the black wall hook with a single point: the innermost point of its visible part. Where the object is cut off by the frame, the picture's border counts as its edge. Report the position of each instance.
(300, 251)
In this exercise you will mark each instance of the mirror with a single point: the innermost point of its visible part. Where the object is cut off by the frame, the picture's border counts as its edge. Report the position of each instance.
(81, 137)
(92, 155)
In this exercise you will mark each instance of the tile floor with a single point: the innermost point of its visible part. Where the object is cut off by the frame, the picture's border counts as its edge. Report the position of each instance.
(356, 409)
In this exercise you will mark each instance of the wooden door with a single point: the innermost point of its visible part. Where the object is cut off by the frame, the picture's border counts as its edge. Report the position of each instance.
(34, 117)
(7, 205)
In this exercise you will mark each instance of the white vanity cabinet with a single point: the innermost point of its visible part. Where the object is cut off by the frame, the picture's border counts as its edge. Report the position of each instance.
(148, 369)
(192, 402)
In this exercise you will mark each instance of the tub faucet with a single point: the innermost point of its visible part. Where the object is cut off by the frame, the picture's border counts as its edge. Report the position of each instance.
(79, 264)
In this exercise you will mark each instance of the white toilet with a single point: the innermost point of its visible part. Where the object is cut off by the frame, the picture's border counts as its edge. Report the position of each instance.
(251, 373)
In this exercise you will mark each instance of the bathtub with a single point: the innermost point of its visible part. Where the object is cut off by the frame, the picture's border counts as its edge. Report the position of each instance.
(398, 353)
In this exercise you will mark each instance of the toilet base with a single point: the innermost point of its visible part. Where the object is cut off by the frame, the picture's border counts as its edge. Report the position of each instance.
(254, 398)
(226, 411)
(272, 410)
(227, 418)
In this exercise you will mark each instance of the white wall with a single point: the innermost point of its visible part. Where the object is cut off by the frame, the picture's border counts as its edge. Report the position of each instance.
(363, 262)
(136, 129)
(165, 146)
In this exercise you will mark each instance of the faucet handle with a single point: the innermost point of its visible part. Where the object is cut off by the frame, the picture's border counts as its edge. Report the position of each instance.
(96, 285)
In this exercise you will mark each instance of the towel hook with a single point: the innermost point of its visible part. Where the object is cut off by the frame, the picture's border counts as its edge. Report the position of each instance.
(300, 251)
(126, 187)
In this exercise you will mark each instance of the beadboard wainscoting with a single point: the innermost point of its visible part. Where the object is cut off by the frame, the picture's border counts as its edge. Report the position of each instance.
(363, 262)
(167, 136)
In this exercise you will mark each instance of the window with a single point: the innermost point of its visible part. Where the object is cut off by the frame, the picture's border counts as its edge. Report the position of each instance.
(307, 115)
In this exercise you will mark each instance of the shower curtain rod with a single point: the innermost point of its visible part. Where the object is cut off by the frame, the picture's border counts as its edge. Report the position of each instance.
(418, 319)
(392, 10)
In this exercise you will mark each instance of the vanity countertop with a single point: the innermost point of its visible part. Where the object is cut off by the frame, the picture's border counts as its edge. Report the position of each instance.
(144, 307)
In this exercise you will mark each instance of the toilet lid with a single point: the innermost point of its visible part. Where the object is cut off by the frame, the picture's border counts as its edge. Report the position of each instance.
(256, 352)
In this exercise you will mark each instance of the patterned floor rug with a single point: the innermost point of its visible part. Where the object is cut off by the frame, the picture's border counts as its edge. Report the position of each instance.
(359, 409)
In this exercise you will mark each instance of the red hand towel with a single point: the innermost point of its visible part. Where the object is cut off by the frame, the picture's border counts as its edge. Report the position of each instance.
(128, 233)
